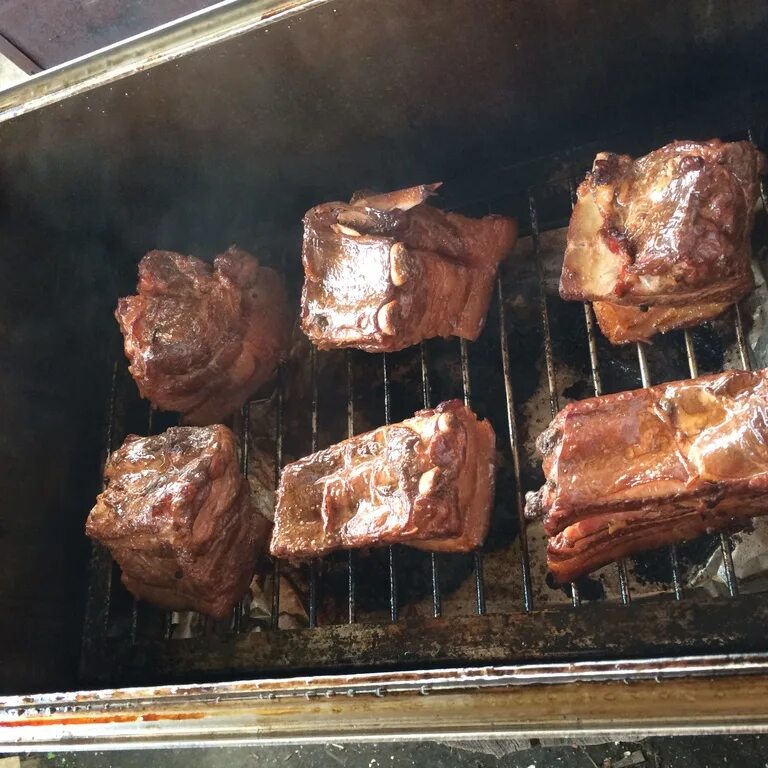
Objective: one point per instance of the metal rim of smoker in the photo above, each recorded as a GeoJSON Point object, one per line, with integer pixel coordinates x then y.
{"type": "Point", "coordinates": [699, 694]}
{"type": "Point", "coordinates": [194, 32]}
{"type": "Point", "coordinates": [603, 698]}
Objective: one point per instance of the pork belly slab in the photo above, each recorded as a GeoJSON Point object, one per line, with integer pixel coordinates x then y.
{"type": "Point", "coordinates": [176, 516]}
{"type": "Point", "coordinates": [639, 469]}
{"type": "Point", "coordinates": [427, 482]}
{"type": "Point", "coordinates": [668, 230]}
{"type": "Point", "coordinates": [386, 271]}
{"type": "Point", "coordinates": [202, 339]}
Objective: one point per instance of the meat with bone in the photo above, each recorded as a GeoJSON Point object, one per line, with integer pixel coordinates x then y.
{"type": "Point", "coordinates": [202, 339]}
{"type": "Point", "coordinates": [387, 271]}
{"type": "Point", "coordinates": [176, 516]}
{"type": "Point", "coordinates": [669, 231]}
{"type": "Point", "coordinates": [635, 470]}
{"type": "Point", "coordinates": [427, 482]}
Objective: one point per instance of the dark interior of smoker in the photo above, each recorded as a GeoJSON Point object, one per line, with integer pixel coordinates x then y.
{"type": "Point", "coordinates": [507, 104]}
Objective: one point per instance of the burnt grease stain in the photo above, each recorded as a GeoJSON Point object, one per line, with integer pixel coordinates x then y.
{"type": "Point", "coordinates": [74, 720]}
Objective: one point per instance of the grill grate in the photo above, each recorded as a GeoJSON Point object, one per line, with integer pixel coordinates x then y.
{"type": "Point", "coordinates": [393, 609]}
{"type": "Point", "coordinates": [442, 369]}
{"type": "Point", "coordinates": [437, 607]}
{"type": "Point", "coordinates": [594, 362]}
{"type": "Point", "coordinates": [725, 543]}
{"type": "Point", "coordinates": [478, 554]}
{"type": "Point", "coordinates": [525, 561]}
{"type": "Point", "coordinates": [351, 565]}
{"type": "Point", "coordinates": [645, 378]}
{"type": "Point", "coordinates": [313, 566]}
{"type": "Point", "coordinates": [554, 400]}
{"type": "Point", "coordinates": [279, 417]}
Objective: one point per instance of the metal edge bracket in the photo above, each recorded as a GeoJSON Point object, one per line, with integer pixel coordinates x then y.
{"type": "Point", "coordinates": [602, 698]}
{"type": "Point", "coordinates": [167, 42]}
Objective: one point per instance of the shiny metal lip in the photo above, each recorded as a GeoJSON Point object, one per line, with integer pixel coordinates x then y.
{"type": "Point", "coordinates": [220, 22]}
{"type": "Point", "coordinates": [601, 697]}
{"type": "Point", "coordinates": [378, 684]}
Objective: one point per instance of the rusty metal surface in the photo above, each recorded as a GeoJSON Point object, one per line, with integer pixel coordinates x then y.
{"type": "Point", "coordinates": [717, 694]}
{"type": "Point", "coordinates": [422, 681]}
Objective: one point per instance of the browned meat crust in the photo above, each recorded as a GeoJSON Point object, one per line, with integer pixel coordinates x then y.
{"type": "Point", "coordinates": [622, 325]}
{"type": "Point", "coordinates": [426, 482]}
{"type": "Point", "coordinates": [177, 518]}
{"type": "Point", "coordinates": [202, 339]}
{"type": "Point", "coordinates": [386, 271]}
{"type": "Point", "coordinates": [638, 469]}
{"type": "Point", "coordinates": [671, 229]}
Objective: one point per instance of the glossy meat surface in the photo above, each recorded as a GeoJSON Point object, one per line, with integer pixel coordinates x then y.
{"type": "Point", "coordinates": [387, 271]}
{"type": "Point", "coordinates": [427, 482]}
{"type": "Point", "coordinates": [176, 516]}
{"type": "Point", "coordinates": [622, 324]}
{"type": "Point", "coordinates": [669, 229]}
{"type": "Point", "coordinates": [200, 339]}
{"type": "Point", "coordinates": [638, 469]}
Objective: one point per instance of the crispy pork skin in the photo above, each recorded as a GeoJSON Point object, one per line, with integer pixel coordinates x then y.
{"type": "Point", "coordinates": [201, 339]}
{"type": "Point", "coordinates": [386, 271]}
{"type": "Point", "coordinates": [671, 229]}
{"type": "Point", "coordinates": [638, 469]}
{"type": "Point", "coordinates": [176, 516]}
{"type": "Point", "coordinates": [427, 482]}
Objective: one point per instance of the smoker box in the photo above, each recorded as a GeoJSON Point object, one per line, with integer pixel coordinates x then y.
{"type": "Point", "coordinates": [226, 127]}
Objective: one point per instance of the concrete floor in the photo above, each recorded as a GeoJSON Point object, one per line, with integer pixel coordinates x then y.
{"type": "Point", "coordinates": [670, 752]}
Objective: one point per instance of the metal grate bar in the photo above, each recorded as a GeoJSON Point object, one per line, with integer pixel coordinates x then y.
{"type": "Point", "coordinates": [725, 542]}
{"type": "Point", "coordinates": [554, 400]}
{"type": "Point", "coordinates": [621, 566]}
{"type": "Point", "coordinates": [763, 193]}
{"type": "Point", "coordinates": [313, 565]}
{"type": "Point", "coordinates": [437, 606]}
{"type": "Point", "coordinates": [478, 554]}
{"type": "Point", "coordinates": [100, 579]}
{"type": "Point", "coordinates": [466, 383]}
{"type": "Point", "coordinates": [134, 600]}
{"type": "Point", "coordinates": [594, 362]}
{"type": "Point", "coordinates": [279, 425]}
{"type": "Point", "coordinates": [525, 562]}
{"type": "Point", "coordinates": [690, 352]}
{"type": "Point", "coordinates": [351, 612]}
{"type": "Point", "coordinates": [674, 559]}
{"type": "Point", "coordinates": [746, 363]}
{"type": "Point", "coordinates": [350, 432]}
{"type": "Point", "coordinates": [548, 354]}
{"type": "Point", "coordinates": [313, 570]}
{"type": "Point", "coordinates": [245, 449]}
{"type": "Point", "coordinates": [392, 558]}
{"type": "Point", "coordinates": [741, 340]}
